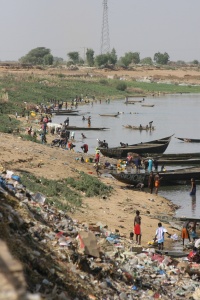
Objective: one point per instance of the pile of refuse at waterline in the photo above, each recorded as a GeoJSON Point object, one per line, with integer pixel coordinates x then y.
{"type": "Point", "coordinates": [65, 259]}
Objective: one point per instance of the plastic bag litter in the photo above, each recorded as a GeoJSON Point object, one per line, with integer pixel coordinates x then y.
{"type": "Point", "coordinates": [39, 198]}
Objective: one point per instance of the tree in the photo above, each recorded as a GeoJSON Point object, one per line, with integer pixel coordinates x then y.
{"type": "Point", "coordinates": [146, 61]}
{"type": "Point", "coordinates": [90, 57]}
{"type": "Point", "coordinates": [113, 57]}
{"type": "Point", "coordinates": [101, 59]}
{"type": "Point", "coordinates": [129, 58]}
{"type": "Point", "coordinates": [195, 62]}
{"type": "Point", "coordinates": [38, 56]}
{"type": "Point", "coordinates": [74, 56]}
{"type": "Point", "coordinates": [161, 58]}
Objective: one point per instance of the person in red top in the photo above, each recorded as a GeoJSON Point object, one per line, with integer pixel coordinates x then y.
{"type": "Point", "coordinates": [97, 157]}
{"type": "Point", "coordinates": [137, 228]}
{"type": "Point", "coordinates": [85, 148]}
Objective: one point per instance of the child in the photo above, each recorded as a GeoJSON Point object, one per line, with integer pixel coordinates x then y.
{"type": "Point", "coordinates": [160, 232]}
{"type": "Point", "coordinates": [185, 232]}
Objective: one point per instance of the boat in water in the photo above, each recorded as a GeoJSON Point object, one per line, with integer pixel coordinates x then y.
{"type": "Point", "coordinates": [187, 140]}
{"type": "Point", "coordinates": [157, 146]}
{"type": "Point", "coordinates": [147, 127]}
{"type": "Point", "coordinates": [109, 115]}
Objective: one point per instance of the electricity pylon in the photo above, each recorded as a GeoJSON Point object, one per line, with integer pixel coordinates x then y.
{"type": "Point", "coordinates": [105, 40]}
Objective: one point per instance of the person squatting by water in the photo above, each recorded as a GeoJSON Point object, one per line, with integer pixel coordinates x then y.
{"type": "Point", "coordinates": [137, 227]}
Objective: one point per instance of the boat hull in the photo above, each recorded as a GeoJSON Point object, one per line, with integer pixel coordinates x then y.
{"type": "Point", "coordinates": [143, 149]}
{"type": "Point", "coordinates": [171, 177]}
{"type": "Point", "coordinates": [187, 140]}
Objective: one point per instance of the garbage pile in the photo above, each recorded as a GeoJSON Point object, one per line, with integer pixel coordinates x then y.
{"type": "Point", "coordinates": [65, 259]}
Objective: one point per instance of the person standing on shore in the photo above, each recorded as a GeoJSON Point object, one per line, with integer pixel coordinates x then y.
{"type": "Point", "coordinates": [193, 187]}
{"type": "Point", "coordinates": [157, 182]}
{"type": "Point", "coordinates": [185, 232]}
{"type": "Point", "coordinates": [151, 182]}
{"type": "Point", "coordinates": [137, 227]}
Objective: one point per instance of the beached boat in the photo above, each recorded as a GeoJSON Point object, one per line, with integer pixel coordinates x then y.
{"type": "Point", "coordinates": [170, 177]}
{"type": "Point", "coordinates": [187, 140]}
{"type": "Point", "coordinates": [109, 115]}
{"type": "Point", "coordinates": [142, 149]}
{"type": "Point", "coordinates": [139, 127]}
{"type": "Point", "coordinates": [147, 105]}
{"type": "Point", "coordinates": [178, 162]}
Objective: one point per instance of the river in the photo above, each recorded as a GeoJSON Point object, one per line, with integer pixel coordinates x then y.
{"type": "Point", "coordinates": [171, 114]}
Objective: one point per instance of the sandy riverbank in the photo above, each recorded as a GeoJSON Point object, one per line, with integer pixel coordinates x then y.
{"type": "Point", "coordinates": [117, 211]}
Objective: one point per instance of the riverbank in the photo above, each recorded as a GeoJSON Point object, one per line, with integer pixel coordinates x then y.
{"type": "Point", "coordinates": [116, 211]}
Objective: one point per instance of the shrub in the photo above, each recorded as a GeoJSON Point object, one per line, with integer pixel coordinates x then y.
{"type": "Point", "coordinates": [121, 86]}
{"type": "Point", "coordinates": [103, 81]}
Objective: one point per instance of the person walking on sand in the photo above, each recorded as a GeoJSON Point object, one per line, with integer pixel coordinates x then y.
{"type": "Point", "coordinates": [137, 227]}
{"type": "Point", "coordinates": [151, 182]}
{"type": "Point", "coordinates": [160, 233]}
{"type": "Point", "coordinates": [185, 232]}
{"type": "Point", "coordinates": [193, 187]}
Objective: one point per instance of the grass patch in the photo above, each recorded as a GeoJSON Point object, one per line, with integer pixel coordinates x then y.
{"type": "Point", "coordinates": [91, 186]}
{"type": "Point", "coordinates": [56, 191]}
{"type": "Point", "coordinates": [7, 124]}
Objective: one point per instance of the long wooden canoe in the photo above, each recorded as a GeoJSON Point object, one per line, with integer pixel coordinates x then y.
{"type": "Point", "coordinates": [109, 115]}
{"type": "Point", "coordinates": [188, 140]}
{"type": "Point", "coordinates": [147, 105]}
{"type": "Point", "coordinates": [85, 128]}
{"type": "Point", "coordinates": [142, 149]}
{"type": "Point", "coordinates": [139, 127]}
{"type": "Point", "coordinates": [171, 177]}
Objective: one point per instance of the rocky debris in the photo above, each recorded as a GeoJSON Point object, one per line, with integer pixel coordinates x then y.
{"type": "Point", "coordinates": [65, 259]}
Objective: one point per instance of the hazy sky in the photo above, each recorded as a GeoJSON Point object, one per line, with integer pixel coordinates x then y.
{"type": "Point", "coordinates": [144, 26]}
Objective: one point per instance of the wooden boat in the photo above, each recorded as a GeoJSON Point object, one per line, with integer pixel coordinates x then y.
{"type": "Point", "coordinates": [64, 110]}
{"type": "Point", "coordinates": [122, 151]}
{"type": "Point", "coordinates": [59, 113]}
{"type": "Point", "coordinates": [179, 156]}
{"type": "Point", "coordinates": [148, 105]}
{"type": "Point", "coordinates": [85, 128]}
{"type": "Point", "coordinates": [187, 140]}
{"type": "Point", "coordinates": [139, 127]}
{"type": "Point", "coordinates": [142, 149]}
{"type": "Point", "coordinates": [186, 161]}
{"type": "Point", "coordinates": [133, 101]}
{"type": "Point", "coordinates": [171, 177]}
{"type": "Point", "coordinates": [109, 115]}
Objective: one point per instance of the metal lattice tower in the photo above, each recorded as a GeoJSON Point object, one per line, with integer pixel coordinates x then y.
{"type": "Point", "coordinates": [105, 40]}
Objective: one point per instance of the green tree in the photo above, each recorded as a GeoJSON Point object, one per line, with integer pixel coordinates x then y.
{"type": "Point", "coordinates": [38, 56]}
{"type": "Point", "coordinates": [90, 57]}
{"type": "Point", "coordinates": [74, 56]}
{"type": "Point", "coordinates": [113, 57]}
{"type": "Point", "coordinates": [161, 58]}
{"type": "Point", "coordinates": [147, 61]}
{"type": "Point", "coordinates": [195, 62]}
{"type": "Point", "coordinates": [130, 58]}
{"type": "Point", "coordinates": [101, 60]}
{"type": "Point", "coordinates": [48, 59]}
